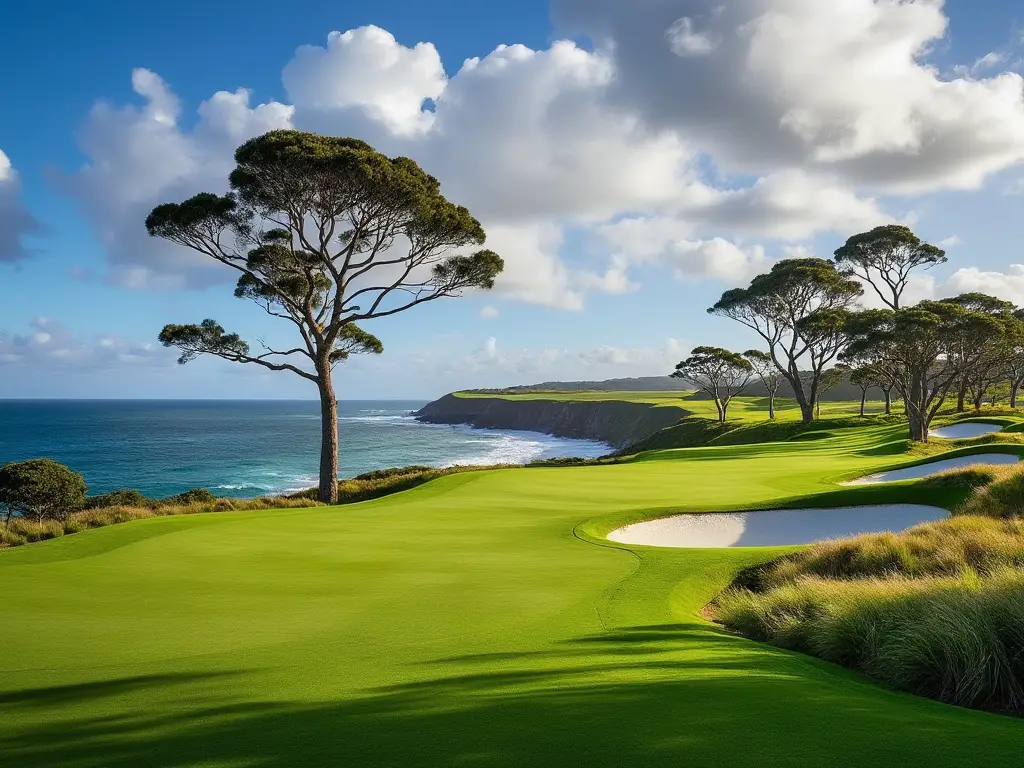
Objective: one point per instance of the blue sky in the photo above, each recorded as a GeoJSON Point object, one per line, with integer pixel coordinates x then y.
{"type": "Point", "coordinates": [628, 177]}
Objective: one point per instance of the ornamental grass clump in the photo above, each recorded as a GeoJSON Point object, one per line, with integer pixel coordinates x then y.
{"type": "Point", "coordinates": [937, 610]}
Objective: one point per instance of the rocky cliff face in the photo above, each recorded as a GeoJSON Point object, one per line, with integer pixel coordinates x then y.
{"type": "Point", "coordinates": [617, 423]}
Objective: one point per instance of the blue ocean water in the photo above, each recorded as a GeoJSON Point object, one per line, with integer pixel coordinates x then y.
{"type": "Point", "coordinates": [247, 448]}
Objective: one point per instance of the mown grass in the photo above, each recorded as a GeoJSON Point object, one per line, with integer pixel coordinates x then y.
{"type": "Point", "coordinates": [476, 619]}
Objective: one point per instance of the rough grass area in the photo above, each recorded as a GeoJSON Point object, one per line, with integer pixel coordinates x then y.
{"type": "Point", "coordinates": [1003, 496]}
{"type": "Point", "coordinates": [18, 531]}
{"type": "Point", "coordinates": [937, 610]}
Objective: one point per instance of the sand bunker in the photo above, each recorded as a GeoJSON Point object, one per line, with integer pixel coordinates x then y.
{"type": "Point", "coordinates": [935, 467]}
{"type": "Point", "coordinates": [964, 430]}
{"type": "Point", "coordinates": [773, 527]}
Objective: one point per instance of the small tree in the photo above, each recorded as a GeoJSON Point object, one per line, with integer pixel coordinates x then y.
{"type": "Point", "coordinates": [767, 373]}
{"type": "Point", "coordinates": [40, 489]}
{"type": "Point", "coordinates": [830, 379]}
{"type": "Point", "coordinates": [884, 259]}
{"type": "Point", "coordinates": [993, 352]}
{"type": "Point", "coordinates": [799, 309]}
{"type": "Point", "coordinates": [718, 372]}
{"type": "Point", "coordinates": [865, 378]}
{"type": "Point", "coordinates": [927, 348]}
{"type": "Point", "coordinates": [325, 233]}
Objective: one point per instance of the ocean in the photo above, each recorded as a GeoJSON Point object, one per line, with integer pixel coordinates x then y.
{"type": "Point", "coordinates": [248, 448]}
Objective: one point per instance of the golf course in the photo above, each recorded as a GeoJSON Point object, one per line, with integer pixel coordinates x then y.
{"type": "Point", "coordinates": [481, 619]}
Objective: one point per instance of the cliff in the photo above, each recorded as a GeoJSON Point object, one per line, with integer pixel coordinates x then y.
{"type": "Point", "coordinates": [611, 421]}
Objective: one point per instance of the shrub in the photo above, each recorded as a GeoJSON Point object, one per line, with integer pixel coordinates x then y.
{"type": "Point", "coordinates": [41, 489]}
{"type": "Point", "coordinates": [193, 496]}
{"type": "Point", "coordinates": [119, 498]}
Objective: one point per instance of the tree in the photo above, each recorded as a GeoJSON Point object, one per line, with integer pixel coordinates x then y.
{"type": "Point", "coordinates": [325, 233]}
{"type": "Point", "coordinates": [718, 372]}
{"type": "Point", "coordinates": [884, 259]}
{"type": "Point", "coordinates": [830, 379]}
{"type": "Point", "coordinates": [996, 351]}
{"type": "Point", "coordinates": [40, 489]}
{"type": "Point", "coordinates": [1015, 361]}
{"type": "Point", "coordinates": [865, 378]}
{"type": "Point", "coordinates": [800, 309]}
{"type": "Point", "coordinates": [926, 349]}
{"type": "Point", "coordinates": [768, 374]}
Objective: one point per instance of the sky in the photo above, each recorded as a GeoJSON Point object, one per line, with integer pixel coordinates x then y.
{"type": "Point", "coordinates": [629, 161]}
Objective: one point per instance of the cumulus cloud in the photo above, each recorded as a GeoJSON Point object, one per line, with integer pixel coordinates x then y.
{"type": "Point", "coordinates": [15, 221]}
{"type": "Point", "coordinates": [1008, 285]}
{"type": "Point", "coordinates": [817, 109]}
{"type": "Point", "coordinates": [843, 88]}
{"type": "Point", "coordinates": [50, 345]}
{"type": "Point", "coordinates": [140, 157]}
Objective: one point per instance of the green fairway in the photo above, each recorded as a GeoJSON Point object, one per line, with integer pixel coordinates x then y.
{"type": "Point", "coordinates": [478, 620]}
{"type": "Point", "coordinates": [741, 408]}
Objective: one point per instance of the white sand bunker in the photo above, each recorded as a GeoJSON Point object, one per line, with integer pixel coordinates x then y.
{"type": "Point", "coordinates": [964, 430]}
{"type": "Point", "coordinates": [935, 467]}
{"type": "Point", "coordinates": [773, 527]}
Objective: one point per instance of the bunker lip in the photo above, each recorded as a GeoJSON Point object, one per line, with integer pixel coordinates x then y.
{"type": "Point", "coordinates": [965, 430]}
{"type": "Point", "coordinates": [773, 527]}
{"type": "Point", "coordinates": [921, 471]}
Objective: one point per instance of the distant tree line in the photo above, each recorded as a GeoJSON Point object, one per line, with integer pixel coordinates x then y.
{"type": "Point", "coordinates": [815, 335]}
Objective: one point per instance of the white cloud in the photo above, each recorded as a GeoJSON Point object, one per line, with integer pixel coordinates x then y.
{"type": "Point", "coordinates": [366, 68]}
{"type": "Point", "coordinates": [1007, 285]}
{"type": "Point", "coordinates": [685, 41]}
{"type": "Point", "coordinates": [840, 88]}
{"type": "Point", "coordinates": [141, 157]}
{"type": "Point", "coordinates": [820, 108]}
{"type": "Point", "coordinates": [950, 242]}
{"type": "Point", "coordinates": [15, 221]}
{"type": "Point", "coordinates": [50, 345]}
{"type": "Point", "coordinates": [489, 313]}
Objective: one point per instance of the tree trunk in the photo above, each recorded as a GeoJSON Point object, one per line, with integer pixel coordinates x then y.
{"type": "Point", "coordinates": [721, 410]}
{"type": "Point", "coordinates": [328, 491]}
{"type": "Point", "coordinates": [978, 399]}
{"type": "Point", "coordinates": [915, 406]}
{"type": "Point", "coordinates": [863, 400]}
{"type": "Point", "coordinates": [961, 396]}
{"type": "Point", "coordinates": [771, 404]}
{"type": "Point", "coordinates": [888, 401]}
{"type": "Point", "coordinates": [1014, 386]}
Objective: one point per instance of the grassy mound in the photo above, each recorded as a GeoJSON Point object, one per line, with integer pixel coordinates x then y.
{"type": "Point", "coordinates": [937, 610]}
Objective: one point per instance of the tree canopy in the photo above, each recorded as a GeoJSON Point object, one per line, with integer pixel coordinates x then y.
{"type": "Point", "coordinates": [799, 308]}
{"type": "Point", "coordinates": [41, 489]}
{"type": "Point", "coordinates": [720, 373]}
{"type": "Point", "coordinates": [884, 259]}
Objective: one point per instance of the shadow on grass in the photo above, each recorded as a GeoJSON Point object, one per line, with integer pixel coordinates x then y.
{"type": "Point", "coordinates": [589, 706]}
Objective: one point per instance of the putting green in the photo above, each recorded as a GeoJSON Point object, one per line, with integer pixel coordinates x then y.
{"type": "Point", "coordinates": [479, 620]}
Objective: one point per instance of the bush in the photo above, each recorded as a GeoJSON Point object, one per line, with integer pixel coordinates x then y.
{"type": "Point", "coordinates": [41, 489]}
{"type": "Point", "coordinates": [120, 498]}
{"type": "Point", "coordinates": [194, 496]}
